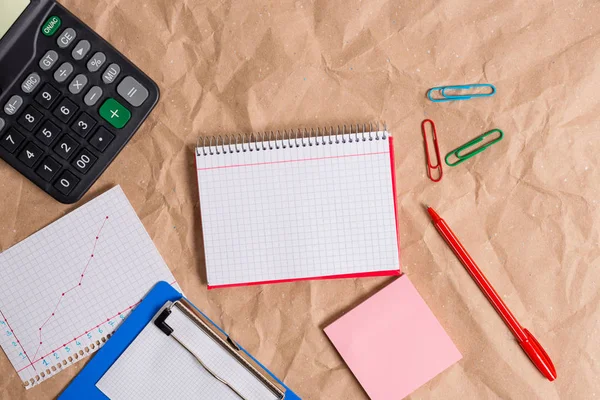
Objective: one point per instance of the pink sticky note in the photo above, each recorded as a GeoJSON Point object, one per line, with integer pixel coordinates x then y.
{"type": "Point", "coordinates": [392, 342]}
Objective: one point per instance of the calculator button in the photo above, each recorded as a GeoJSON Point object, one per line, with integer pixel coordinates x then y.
{"type": "Point", "coordinates": [48, 61]}
{"type": "Point", "coordinates": [132, 91]}
{"type": "Point", "coordinates": [66, 147]}
{"type": "Point", "coordinates": [92, 96]}
{"type": "Point", "coordinates": [48, 169]}
{"type": "Point", "coordinates": [78, 83]}
{"type": "Point", "coordinates": [65, 110]}
{"type": "Point", "coordinates": [84, 161]}
{"type": "Point", "coordinates": [30, 118]}
{"type": "Point", "coordinates": [29, 84]}
{"type": "Point", "coordinates": [65, 38]}
{"type": "Point", "coordinates": [96, 62]}
{"type": "Point", "coordinates": [111, 73]}
{"type": "Point", "coordinates": [12, 140]}
{"type": "Point", "coordinates": [47, 96]}
{"type": "Point", "coordinates": [83, 125]}
{"type": "Point", "coordinates": [51, 26]}
{"type": "Point", "coordinates": [81, 49]}
{"type": "Point", "coordinates": [101, 139]}
{"type": "Point", "coordinates": [30, 154]}
{"type": "Point", "coordinates": [48, 133]}
{"type": "Point", "coordinates": [115, 113]}
{"type": "Point", "coordinates": [66, 182]}
{"type": "Point", "coordinates": [63, 72]}
{"type": "Point", "coordinates": [13, 104]}
{"type": "Point", "coordinates": [2, 124]}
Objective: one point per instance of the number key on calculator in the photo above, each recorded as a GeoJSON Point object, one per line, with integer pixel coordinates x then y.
{"type": "Point", "coordinates": [69, 102]}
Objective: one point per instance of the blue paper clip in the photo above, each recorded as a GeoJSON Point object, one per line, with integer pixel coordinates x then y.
{"type": "Point", "coordinates": [466, 96]}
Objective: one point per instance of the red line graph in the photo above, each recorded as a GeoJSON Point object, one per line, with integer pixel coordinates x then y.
{"type": "Point", "coordinates": [77, 337]}
{"type": "Point", "coordinates": [69, 290]}
{"type": "Point", "coordinates": [291, 161]}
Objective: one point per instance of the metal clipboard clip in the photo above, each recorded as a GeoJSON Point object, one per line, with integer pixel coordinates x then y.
{"type": "Point", "coordinates": [221, 339]}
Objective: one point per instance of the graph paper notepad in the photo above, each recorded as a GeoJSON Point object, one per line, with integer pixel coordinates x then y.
{"type": "Point", "coordinates": [156, 366]}
{"type": "Point", "coordinates": [66, 288]}
{"type": "Point", "coordinates": [307, 207]}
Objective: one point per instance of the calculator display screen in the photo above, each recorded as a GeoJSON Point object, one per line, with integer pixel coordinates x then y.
{"type": "Point", "coordinates": [9, 12]}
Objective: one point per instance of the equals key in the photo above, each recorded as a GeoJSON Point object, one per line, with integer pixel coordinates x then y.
{"type": "Point", "coordinates": [132, 91]}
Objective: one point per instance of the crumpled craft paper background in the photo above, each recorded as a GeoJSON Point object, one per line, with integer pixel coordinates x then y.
{"type": "Point", "coordinates": [527, 208]}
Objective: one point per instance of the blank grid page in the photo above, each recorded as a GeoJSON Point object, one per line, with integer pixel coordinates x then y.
{"type": "Point", "coordinates": [297, 212]}
{"type": "Point", "coordinates": [155, 366]}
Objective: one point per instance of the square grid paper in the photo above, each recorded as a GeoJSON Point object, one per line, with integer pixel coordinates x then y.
{"type": "Point", "coordinates": [271, 213]}
{"type": "Point", "coordinates": [155, 366]}
{"type": "Point", "coordinates": [66, 288]}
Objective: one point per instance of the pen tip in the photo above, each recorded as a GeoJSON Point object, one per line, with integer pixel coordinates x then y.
{"type": "Point", "coordinates": [434, 216]}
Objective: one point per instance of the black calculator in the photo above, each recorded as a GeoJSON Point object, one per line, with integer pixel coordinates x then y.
{"type": "Point", "coordinates": [69, 101]}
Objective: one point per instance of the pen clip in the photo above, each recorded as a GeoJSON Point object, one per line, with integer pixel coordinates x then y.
{"type": "Point", "coordinates": [538, 355]}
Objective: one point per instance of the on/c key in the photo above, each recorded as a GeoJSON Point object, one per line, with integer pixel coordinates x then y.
{"type": "Point", "coordinates": [115, 113]}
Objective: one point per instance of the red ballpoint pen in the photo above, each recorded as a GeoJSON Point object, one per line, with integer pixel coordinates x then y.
{"type": "Point", "coordinates": [528, 343]}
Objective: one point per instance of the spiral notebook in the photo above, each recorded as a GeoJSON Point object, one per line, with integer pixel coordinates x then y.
{"type": "Point", "coordinates": [296, 206]}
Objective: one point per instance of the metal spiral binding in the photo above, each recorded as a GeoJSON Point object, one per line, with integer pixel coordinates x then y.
{"type": "Point", "coordinates": [71, 359]}
{"type": "Point", "coordinates": [286, 139]}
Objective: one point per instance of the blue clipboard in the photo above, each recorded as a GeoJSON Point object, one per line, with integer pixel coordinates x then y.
{"type": "Point", "coordinates": [84, 384]}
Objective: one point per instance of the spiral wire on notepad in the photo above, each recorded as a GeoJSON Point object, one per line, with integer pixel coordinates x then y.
{"type": "Point", "coordinates": [286, 139]}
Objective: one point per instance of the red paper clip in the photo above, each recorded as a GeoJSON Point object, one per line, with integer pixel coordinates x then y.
{"type": "Point", "coordinates": [431, 167]}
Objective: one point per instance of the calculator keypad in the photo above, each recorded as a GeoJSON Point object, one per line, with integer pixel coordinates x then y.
{"type": "Point", "coordinates": [72, 109]}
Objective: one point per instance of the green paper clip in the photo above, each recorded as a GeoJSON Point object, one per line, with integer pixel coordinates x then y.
{"type": "Point", "coordinates": [466, 95]}
{"type": "Point", "coordinates": [464, 157]}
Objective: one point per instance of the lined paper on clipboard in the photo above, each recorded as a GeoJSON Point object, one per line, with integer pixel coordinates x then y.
{"type": "Point", "coordinates": [157, 366]}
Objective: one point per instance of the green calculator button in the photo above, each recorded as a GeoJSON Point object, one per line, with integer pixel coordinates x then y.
{"type": "Point", "coordinates": [51, 26]}
{"type": "Point", "coordinates": [115, 113]}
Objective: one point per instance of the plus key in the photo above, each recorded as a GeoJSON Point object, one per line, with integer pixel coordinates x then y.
{"type": "Point", "coordinates": [115, 113]}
